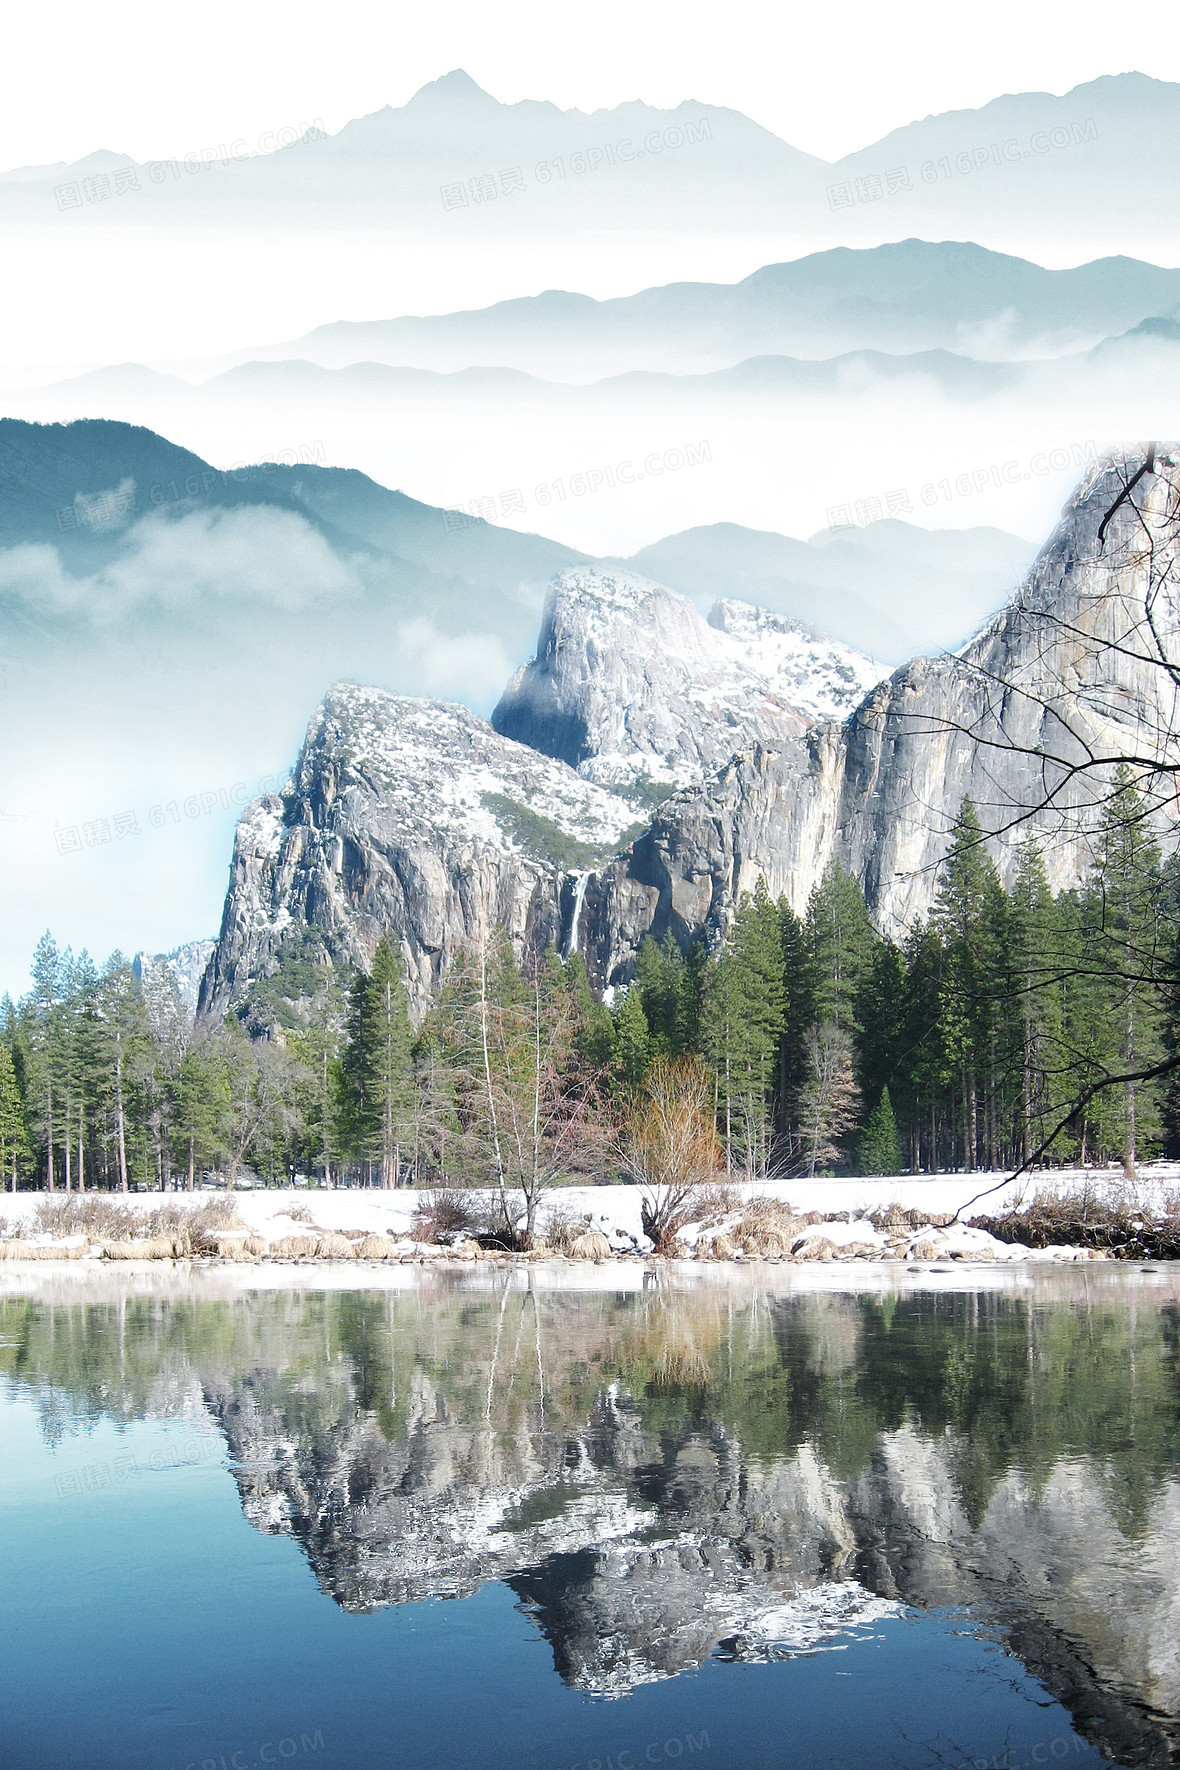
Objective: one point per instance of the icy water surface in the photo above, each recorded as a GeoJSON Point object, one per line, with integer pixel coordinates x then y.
{"type": "Point", "coordinates": [490, 1519]}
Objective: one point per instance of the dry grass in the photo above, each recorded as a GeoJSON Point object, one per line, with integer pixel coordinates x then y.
{"type": "Point", "coordinates": [294, 1247]}
{"type": "Point", "coordinates": [767, 1229]}
{"type": "Point", "coordinates": [335, 1247]}
{"type": "Point", "coordinates": [186, 1230]}
{"type": "Point", "coordinates": [592, 1245]}
{"type": "Point", "coordinates": [1118, 1226]}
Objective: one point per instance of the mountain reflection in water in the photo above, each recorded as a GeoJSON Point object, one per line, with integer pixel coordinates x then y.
{"type": "Point", "coordinates": [714, 1467]}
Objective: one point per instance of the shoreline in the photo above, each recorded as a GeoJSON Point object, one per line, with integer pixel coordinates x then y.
{"type": "Point", "coordinates": [822, 1221]}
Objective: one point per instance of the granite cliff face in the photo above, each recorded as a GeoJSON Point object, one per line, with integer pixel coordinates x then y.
{"type": "Point", "coordinates": [1028, 720]}
{"type": "Point", "coordinates": [409, 818]}
{"type": "Point", "coordinates": [417, 819]}
{"type": "Point", "coordinates": [630, 685]}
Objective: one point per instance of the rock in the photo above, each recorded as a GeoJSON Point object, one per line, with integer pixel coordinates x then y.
{"type": "Point", "coordinates": [630, 685]}
{"type": "Point", "coordinates": [413, 819]}
{"type": "Point", "coordinates": [816, 1247]}
{"type": "Point", "coordinates": [1059, 670]}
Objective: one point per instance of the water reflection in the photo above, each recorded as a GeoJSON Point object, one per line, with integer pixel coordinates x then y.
{"type": "Point", "coordinates": [669, 1473]}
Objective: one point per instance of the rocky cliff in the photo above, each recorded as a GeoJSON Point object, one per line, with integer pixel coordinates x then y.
{"type": "Point", "coordinates": [630, 685]}
{"type": "Point", "coordinates": [417, 819]}
{"type": "Point", "coordinates": [409, 818]}
{"type": "Point", "coordinates": [1028, 720]}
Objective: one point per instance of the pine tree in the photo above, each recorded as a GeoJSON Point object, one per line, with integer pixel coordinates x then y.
{"type": "Point", "coordinates": [377, 1065]}
{"type": "Point", "coordinates": [1033, 955]}
{"type": "Point", "coordinates": [1127, 900]}
{"type": "Point", "coordinates": [743, 1025]}
{"type": "Point", "coordinates": [659, 978]}
{"type": "Point", "coordinates": [632, 1040]}
{"type": "Point", "coordinates": [879, 1151]}
{"type": "Point", "coordinates": [840, 939]}
{"type": "Point", "coordinates": [14, 1146]}
{"type": "Point", "coordinates": [965, 914]}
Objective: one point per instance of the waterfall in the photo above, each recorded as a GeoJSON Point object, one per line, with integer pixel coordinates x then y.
{"type": "Point", "coordinates": [580, 881]}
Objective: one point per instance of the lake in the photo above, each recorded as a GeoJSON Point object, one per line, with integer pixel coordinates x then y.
{"type": "Point", "coordinates": [536, 1519]}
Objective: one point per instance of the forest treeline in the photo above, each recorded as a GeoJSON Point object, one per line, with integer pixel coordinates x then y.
{"type": "Point", "coordinates": [986, 1039]}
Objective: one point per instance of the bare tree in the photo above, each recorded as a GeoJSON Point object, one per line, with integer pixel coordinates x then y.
{"type": "Point", "coordinates": [829, 1098]}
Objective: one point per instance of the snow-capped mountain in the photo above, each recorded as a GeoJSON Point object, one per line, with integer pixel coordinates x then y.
{"type": "Point", "coordinates": [411, 818]}
{"type": "Point", "coordinates": [633, 688]}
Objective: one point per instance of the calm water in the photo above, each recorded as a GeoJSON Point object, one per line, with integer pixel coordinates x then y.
{"type": "Point", "coordinates": [489, 1521]}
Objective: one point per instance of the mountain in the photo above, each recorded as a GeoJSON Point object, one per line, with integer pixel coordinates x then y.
{"type": "Point", "coordinates": [452, 158]}
{"type": "Point", "coordinates": [81, 486]}
{"type": "Point", "coordinates": [633, 689]}
{"type": "Point", "coordinates": [912, 295]}
{"type": "Point", "coordinates": [1090, 164]}
{"type": "Point", "coordinates": [888, 587]}
{"type": "Point", "coordinates": [182, 970]}
{"type": "Point", "coordinates": [630, 688]}
{"type": "Point", "coordinates": [1020, 720]}
{"type": "Point", "coordinates": [412, 818]}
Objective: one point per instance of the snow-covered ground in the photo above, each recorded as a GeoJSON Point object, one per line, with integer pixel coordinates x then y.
{"type": "Point", "coordinates": [615, 1210]}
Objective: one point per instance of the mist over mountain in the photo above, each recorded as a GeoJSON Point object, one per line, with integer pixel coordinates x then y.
{"type": "Point", "coordinates": [167, 624]}
{"type": "Point", "coordinates": [772, 442]}
{"type": "Point", "coordinates": [1091, 164]}
{"type": "Point", "coordinates": [911, 295]}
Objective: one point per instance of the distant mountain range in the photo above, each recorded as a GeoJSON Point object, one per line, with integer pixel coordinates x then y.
{"type": "Point", "coordinates": [1095, 162]}
{"type": "Point", "coordinates": [112, 498]}
{"type": "Point", "coordinates": [915, 295]}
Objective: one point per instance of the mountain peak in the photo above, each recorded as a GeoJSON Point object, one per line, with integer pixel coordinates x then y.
{"type": "Point", "coordinates": [455, 88]}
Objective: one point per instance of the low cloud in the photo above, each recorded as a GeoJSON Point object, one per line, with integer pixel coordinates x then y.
{"type": "Point", "coordinates": [472, 667]}
{"type": "Point", "coordinates": [255, 554]}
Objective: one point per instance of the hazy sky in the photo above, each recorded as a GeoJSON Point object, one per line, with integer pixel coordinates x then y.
{"type": "Point", "coordinates": [149, 80]}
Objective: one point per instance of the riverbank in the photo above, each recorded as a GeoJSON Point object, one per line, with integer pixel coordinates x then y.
{"type": "Point", "coordinates": [961, 1217]}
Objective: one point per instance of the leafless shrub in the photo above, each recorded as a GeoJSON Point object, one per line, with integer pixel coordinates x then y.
{"type": "Point", "coordinates": [671, 1147]}
{"type": "Point", "coordinates": [1085, 1219]}
{"type": "Point", "coordinates": [716, 1202]}
{"type": "Point", "coordinates": [443, 1214]}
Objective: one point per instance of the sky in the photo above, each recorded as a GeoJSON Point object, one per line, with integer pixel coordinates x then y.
{"type": "Point", "coordinates": [150, 80]}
